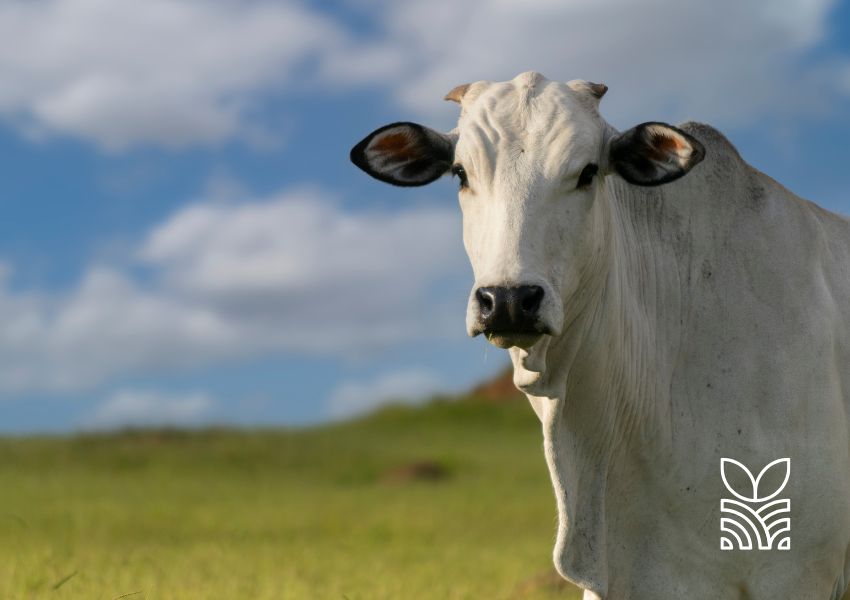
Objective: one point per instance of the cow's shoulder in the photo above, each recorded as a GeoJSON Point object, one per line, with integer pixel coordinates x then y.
{"type": "Point", "coordinates": [720, 154]}
{"type": "Point", "coordinates": [728, 183]}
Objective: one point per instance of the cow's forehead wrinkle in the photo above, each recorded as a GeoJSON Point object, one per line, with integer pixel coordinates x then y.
{"type": "Point", "coordinates": [520, 105]}
{"type": "Point", "coordinates": [564, 147]}
{"type": "Point", "coordinates": [545, 127]}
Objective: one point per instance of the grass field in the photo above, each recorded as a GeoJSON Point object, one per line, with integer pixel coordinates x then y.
{"type": "Point", "coordinates": [335, 512]}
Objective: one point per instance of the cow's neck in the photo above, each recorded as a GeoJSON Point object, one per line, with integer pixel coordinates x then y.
{"type": "Point", "coordinates": [598, 386]}
{"type": "Point", "coordinates": [607, 363]}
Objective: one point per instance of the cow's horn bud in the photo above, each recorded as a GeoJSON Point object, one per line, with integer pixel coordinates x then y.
{"type": "Point", "coordinates": [597, 89]}
{"type": "Point", "coordinates": [456, 95]}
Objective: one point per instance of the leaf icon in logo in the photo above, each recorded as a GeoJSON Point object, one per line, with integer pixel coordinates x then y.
{"type": "Point", "coordinates": [784, 467]}
{"type": "Point", "coordinates": [729, 465]}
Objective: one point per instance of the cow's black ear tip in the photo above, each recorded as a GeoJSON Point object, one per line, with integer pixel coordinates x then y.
{"type": "Point", "coordinates": [358, 154]}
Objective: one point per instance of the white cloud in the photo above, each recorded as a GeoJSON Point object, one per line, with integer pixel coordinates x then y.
{"type": "Point", "coordinates": [170, 72]}
{"type": "Point", "coordinates": [150, 408]}
{"type": "Point", "coordinates": [301, 244]}
{"type": "Point", "coordinates": [411, 386]}
{"type": "Point", "coordinates": [227, 280]}
{"type": "Point", "coordinates": [726, 61]}
{"type": "Point", "coordinates": [121, 72]}
{"type": "Point", "coordinates": [303, 274]}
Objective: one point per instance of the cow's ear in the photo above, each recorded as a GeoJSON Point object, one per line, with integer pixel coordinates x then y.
{"type": "Point", "coordinates": [654, 153]}
{"type": "Point", "coordinates": [404, 154]}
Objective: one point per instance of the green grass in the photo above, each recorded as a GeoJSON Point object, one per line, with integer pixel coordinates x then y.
{"type": "Point", "coordinates": [285, 514]}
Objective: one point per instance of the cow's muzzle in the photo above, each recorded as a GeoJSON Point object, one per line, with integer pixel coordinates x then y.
{"type": "Point", "coordinates": [509, 316]}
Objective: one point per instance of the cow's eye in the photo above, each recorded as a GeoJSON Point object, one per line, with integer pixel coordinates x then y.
{"type": "Point", "coordinates": [587, 175]}
{"type": "Point", "coordinates": [460, 172]}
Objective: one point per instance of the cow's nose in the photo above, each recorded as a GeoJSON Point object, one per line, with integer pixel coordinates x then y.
{"type": "Point", "coordinates": [509, 309]}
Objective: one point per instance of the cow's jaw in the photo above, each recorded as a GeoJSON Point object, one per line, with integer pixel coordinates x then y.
{"type": "Point", "coordinates": [520, 340]}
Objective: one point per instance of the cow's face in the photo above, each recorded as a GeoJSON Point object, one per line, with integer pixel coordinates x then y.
{"type": "Point", "coordinates": [529, 156]}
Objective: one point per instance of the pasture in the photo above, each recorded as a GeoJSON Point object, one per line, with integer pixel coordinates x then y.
{"type": "Point", "coordinates": [450, 500]}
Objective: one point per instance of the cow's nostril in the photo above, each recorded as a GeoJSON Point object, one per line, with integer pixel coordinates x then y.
{"type": "Point", "coordinates": [530, 297]}
{"type": "Point", "coordinates": [509, 310]}
{"type": "Point", "coordinates": [485, 300]}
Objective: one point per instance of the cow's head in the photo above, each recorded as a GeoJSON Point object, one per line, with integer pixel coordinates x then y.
{"type": "Point", "coordinates": [529, 155]}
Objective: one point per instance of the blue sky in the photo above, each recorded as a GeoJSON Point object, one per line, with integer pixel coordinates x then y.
{"type": "Point", "coordinates": [184, 241]}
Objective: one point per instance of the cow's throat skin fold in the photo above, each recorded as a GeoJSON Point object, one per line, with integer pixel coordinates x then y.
{"type": "Point", "coordinates": [656, 376]}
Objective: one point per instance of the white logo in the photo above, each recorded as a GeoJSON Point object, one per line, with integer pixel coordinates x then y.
{"type": "Point", "coordinates": [754, 517]}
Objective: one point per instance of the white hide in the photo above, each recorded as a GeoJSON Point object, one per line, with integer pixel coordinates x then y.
{"type": "Point", "coordinates": [704, 318]}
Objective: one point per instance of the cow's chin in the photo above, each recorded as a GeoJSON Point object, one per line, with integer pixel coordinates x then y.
{"type": "Point", "coordinates": [509, 340]}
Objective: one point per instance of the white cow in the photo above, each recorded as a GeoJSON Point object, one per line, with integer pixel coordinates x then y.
{"type": "Point", "coordinates": [655, 330]}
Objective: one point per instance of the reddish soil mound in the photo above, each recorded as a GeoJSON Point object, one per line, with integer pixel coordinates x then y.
{"type": "Point", "coordinates": [499, 389]}
{"type": "Point", "coordinates": [425, 470]}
